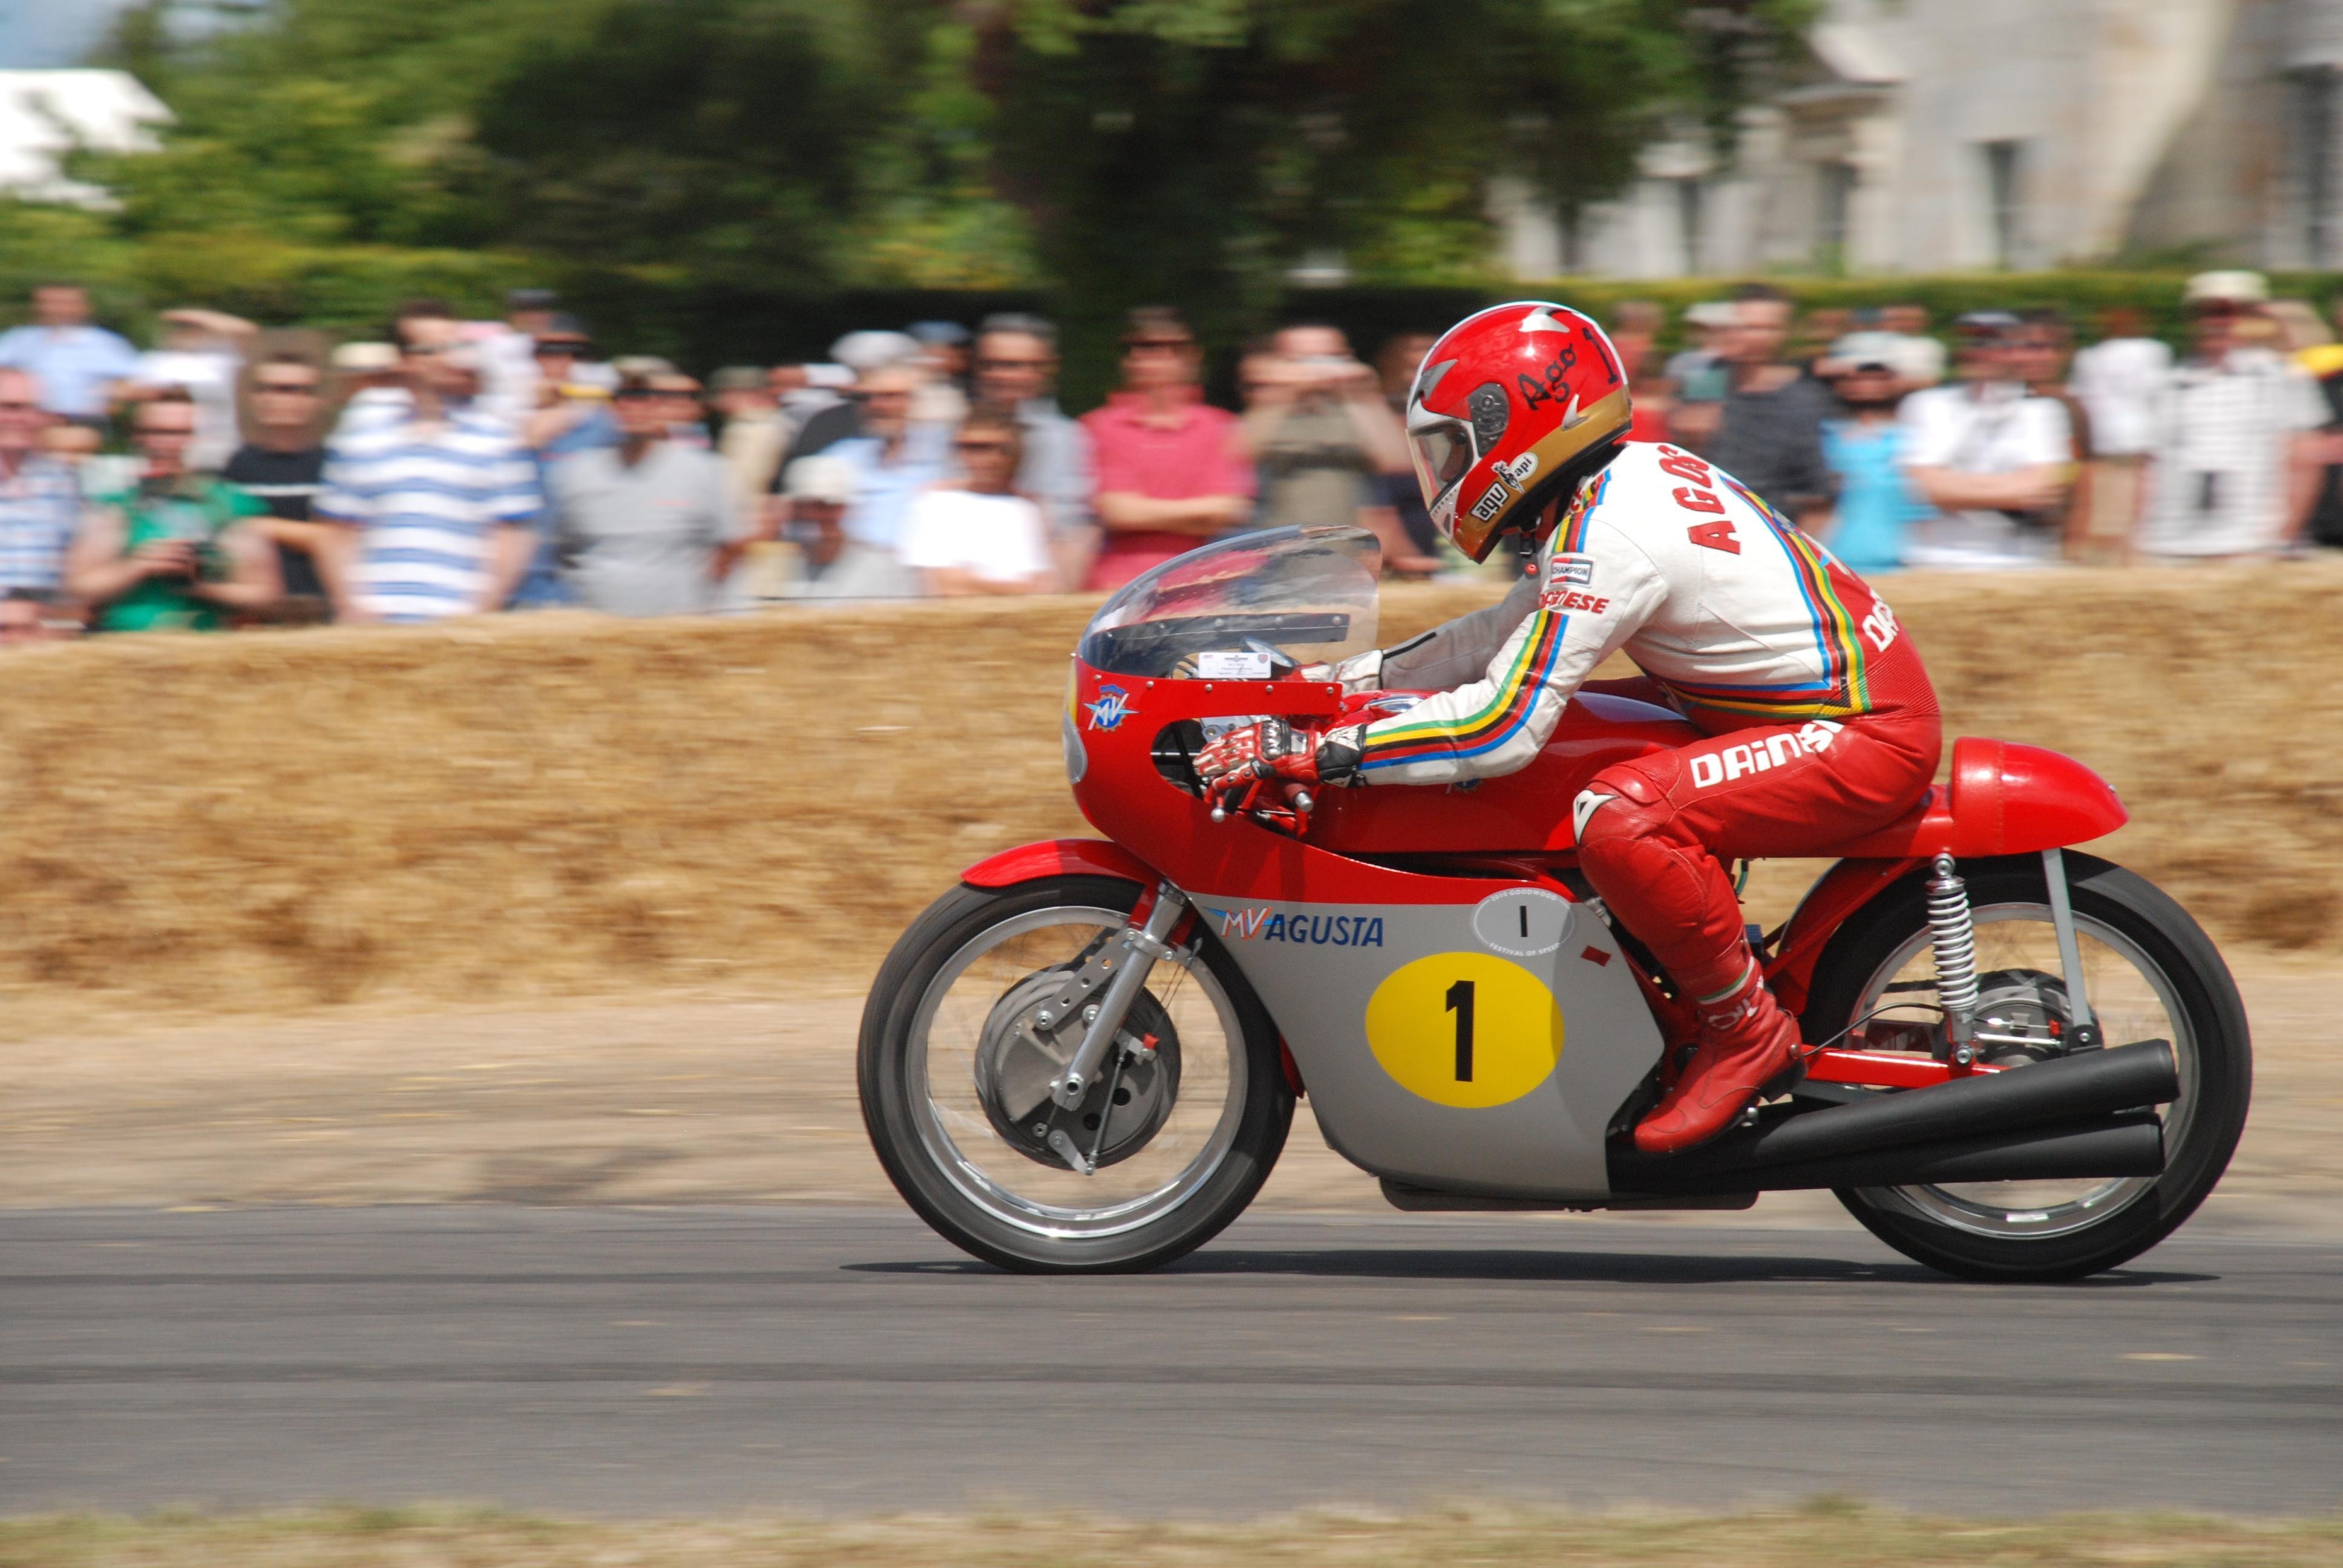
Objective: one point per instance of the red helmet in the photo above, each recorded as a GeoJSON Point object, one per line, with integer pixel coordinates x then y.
{"type": "Point", "coordinates": [1505, 406]}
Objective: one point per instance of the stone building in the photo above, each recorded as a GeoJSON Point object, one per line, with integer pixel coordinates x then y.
{"type": "Point", "coordinates": [1915, 136]}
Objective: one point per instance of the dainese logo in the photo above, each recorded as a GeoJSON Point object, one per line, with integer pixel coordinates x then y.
{"type": "Point", "coordinates": [1113, 707]}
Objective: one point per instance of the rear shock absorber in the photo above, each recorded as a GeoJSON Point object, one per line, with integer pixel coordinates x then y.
{"type": "Point", "coordinates": [1952, 936]}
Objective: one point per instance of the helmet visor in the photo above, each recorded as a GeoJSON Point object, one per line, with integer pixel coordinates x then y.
{"type": "Point", "coordinates": [1443, 452]}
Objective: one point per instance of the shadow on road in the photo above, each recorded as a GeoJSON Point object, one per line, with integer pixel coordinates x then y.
{"type": "Point", "coordinates": [1502, 1264]}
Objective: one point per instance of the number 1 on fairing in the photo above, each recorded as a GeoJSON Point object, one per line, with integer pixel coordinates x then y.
{"type": "Point", "coordinates": [1459, 1002]}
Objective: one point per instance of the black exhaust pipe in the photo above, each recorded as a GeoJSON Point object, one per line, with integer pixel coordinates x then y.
{"type": "Point", "coordinates": [2109, 1147]}
{"type": "Point", "coordinates": [1969, 1124]}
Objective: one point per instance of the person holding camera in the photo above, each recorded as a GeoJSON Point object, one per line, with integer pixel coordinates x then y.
{"type": "Point", "coordinates": [176, 551]}
{"type": "Point", "coordinates": [1323, 439]}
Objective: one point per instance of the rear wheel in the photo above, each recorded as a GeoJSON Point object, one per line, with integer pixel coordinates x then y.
{"type": "Point", "coordinates": [2150, 973]}
{"type": "Point", "coordinates": [1182, 1128]}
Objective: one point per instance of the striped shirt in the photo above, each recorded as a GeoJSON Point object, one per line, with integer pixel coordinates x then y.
{"type": "Point", "coordinates": [40, 504]}
{"type": "Point", "coordinates": [430, 501]}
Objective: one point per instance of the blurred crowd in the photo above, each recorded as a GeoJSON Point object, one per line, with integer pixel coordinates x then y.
{"type": "Point", "coordinates": [458, 466]}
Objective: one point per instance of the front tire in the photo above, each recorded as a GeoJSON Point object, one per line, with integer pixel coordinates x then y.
{"type": "Point", "coordinates": [2152, 972]}
{"type": "Point", "coordinates": [1194, 1171]}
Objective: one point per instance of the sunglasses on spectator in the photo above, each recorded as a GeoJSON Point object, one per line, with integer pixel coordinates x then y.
{"type": "Point", "coordinates": [286, 388]}
{"type": "Point", "coordinates": [19, 407]}
{"type": "Point", "coordinates": [641, 394]}
{"type": "Point", "coordinates": [982, 446]}
{"type": "Point", "coordinates": [166, 432]}
{"type": "Point", "coordinates": [993, 362]}
{"type": "Point", "coordinates": [1158, 344]}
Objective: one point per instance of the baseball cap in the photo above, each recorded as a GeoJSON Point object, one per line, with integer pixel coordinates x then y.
{"type": "Point", "coordinates": [738, 378]}
{"type": "Point", "coordinates": [530, 299]}
{"type": "Point", "coordinates": [937, 334]}
{"type": "Point", "coordinates": [820, 478]}
{"type": "Point", "coordinates": [365, 359]}
{"type": "Point", "coordinates": [1886, 350]}
{"type": "Point", "coordinates": [2227, 288]}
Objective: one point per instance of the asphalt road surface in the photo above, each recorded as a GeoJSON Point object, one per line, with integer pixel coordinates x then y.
{"type": "Point", "coordinates": [845, 1362]}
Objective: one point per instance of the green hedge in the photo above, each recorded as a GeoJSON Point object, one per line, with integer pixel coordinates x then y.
{"type": "Point", "coordinates": [349, 290]}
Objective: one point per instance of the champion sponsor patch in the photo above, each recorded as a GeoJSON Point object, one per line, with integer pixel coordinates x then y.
{"type": "Point", "coordinates": [1575, 569]}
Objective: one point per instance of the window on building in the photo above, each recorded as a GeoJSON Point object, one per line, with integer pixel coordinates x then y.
{"type": "Point", "coordinates": [1689, 198]}
{"type": "Point", "coordinates": [2003, 168]}
{"type": "Point", "coordinates": [1834, 195]}
{"type": "Point", "coordinates": [2312, 135]}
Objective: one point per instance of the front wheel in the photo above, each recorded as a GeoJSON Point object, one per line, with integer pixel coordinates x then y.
{"type": "Point", "coordinates": [954, 1079]}
{"type": "Point", "coordinates": [2150, 973]}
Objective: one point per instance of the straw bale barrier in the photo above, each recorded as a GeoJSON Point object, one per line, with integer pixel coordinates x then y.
{"type": "Point", "coordinates": [561, 804]}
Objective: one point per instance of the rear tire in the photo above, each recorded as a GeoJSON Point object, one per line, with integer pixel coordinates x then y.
{"type": "Point", "coordinates": [1934, 1226]}
{"type": "Point", "coordinates": [985, 1220]}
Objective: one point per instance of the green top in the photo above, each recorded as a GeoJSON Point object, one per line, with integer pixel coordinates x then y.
{"type": "Point", "coordinates": [190, 506]}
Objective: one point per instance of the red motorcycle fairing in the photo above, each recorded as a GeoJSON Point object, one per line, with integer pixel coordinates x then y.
{"type": "Point", "coordinates": [2003, 798]}
{"type": "Point", "coordinates": [1057, 858]}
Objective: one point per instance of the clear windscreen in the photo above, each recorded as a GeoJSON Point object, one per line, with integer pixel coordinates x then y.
{"type": "Point", "coordinates": [1253, 606]}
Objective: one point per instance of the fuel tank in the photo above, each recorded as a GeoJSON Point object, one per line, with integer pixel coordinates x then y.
{"type": "Point", "coordinates": [1525, 812]}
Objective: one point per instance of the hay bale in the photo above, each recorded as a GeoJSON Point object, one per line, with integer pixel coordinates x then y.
{"type": "Point", "coordinates": [564, 804]}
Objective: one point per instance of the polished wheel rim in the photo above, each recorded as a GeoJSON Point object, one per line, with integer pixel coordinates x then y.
{"type": "Point", "coordinates": [2133, 999]}
{"type": "Point", "coordinates": [961, 1141]}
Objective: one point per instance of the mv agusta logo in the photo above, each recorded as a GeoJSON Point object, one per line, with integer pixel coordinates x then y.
{"type": "Point", "coordinates": [1113, 707]}
{"type": "Point", "coordinates": [1315, 930]}
{"type": "Point", "coordinates": [1759, 756]}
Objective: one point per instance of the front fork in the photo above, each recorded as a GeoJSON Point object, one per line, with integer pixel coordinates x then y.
{"type": "Point", "coordinates": [1952, 935]}
{"type": "Point", "coordinates": [1124, 965]}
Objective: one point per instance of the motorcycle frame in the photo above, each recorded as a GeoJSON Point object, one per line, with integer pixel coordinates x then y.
{"type": "Point", "coordinates": [1548, 1143]}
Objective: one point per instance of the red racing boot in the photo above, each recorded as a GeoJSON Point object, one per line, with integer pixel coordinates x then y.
{"type": "Point", "coordinates": [1745, 1041]}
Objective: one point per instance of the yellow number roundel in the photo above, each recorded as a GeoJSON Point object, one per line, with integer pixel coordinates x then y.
{"type": "Point", "coordinates": [1467, 1029]}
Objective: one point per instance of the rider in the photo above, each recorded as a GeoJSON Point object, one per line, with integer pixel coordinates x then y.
{"type": "Point", "coordinates": [1818, 721]}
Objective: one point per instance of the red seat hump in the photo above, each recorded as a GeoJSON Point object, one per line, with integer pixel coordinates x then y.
{"type": "Point", "coordinates": [2004, 799]}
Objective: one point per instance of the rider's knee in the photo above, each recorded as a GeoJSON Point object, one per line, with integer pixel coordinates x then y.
{"type": "Point", "coordinates": [1618, 803]}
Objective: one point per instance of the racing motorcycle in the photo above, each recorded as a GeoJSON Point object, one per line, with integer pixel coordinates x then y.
{"type": "Point", "coordinates": [2022, 1062]}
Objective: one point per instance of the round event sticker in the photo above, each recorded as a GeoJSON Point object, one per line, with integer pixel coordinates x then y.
{"type": "Point", "coordinates": [1466, 1030]}
{"type": "Point", "coordinates": [1522, 922]}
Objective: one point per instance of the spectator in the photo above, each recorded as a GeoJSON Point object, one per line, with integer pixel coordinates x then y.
{"type": "Point", "coordinates": [2118, 381]}
{"type": "Point", "coordinates": [976, 535]}
{"type": "Point", "coordinates": [1922, 355]}
{"type": "Point", "coordinates": [754, 435]}
{"type": "Point", "coordinates": [282, 467]}
{"type": "Point", "coordinates": [863, 352]}
{"type": "Point", "coordinates": [2233, 465]}
{"type": "Point", "coordinates": [83, 370]}
{"type": "Point", "coordinates": [511, 369]}
{"type": "Point", "coordinates": [436, 501]}
{"type": "Point", "coordinates": [651, 526]}
{"type": "Point", "coordinates": [1017, 369]}
{"type": "Point", "coordinates": [203, 353]}
{"type": "Point", "coordinates": [1634, 325]}
{"type": "Point", "coordinates": [176, 552]}
{"type": "Point", "coordinates": [1994, 461]}
{"type": "Point", "coordinates": [40, 499]}
{"type": "Point", "coordinates": [1172, 471]}
{"type": "Point", "coordinates": [687, 417]}
{"type": "Point", "coordinates": [1769, 432]}
{"type": "Point", "coordinates": [829, 564]}
{"type": "Point", "coordinates": [573, 405]}
{"type": "Point", "coordinates": [1395, 366]}
{"type": "Point", "coordinates": [2041, 349]}
{"type": "Point", "coordinates": [943, 360]}
{"type": "Point", "coordinates": [894, 459]}
{"type": "Point", "coordinates": [1323, 442]}
{"type": "Point", "coordinates": [2324, 363]}
{"type": "Point", "coordinates": [1864, 449]}
{"type": "Point", "coordinates": [1699, 375]}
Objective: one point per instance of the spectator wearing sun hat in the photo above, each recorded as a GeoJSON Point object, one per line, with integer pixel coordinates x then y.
{"type": "Point", "coordinates": [2233, 466]}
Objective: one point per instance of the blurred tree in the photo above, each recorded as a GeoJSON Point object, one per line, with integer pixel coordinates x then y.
{"type": "Point", "coordinates": [1119, 150]}
{"type": "Point", "coordinates": [1196, 150]}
